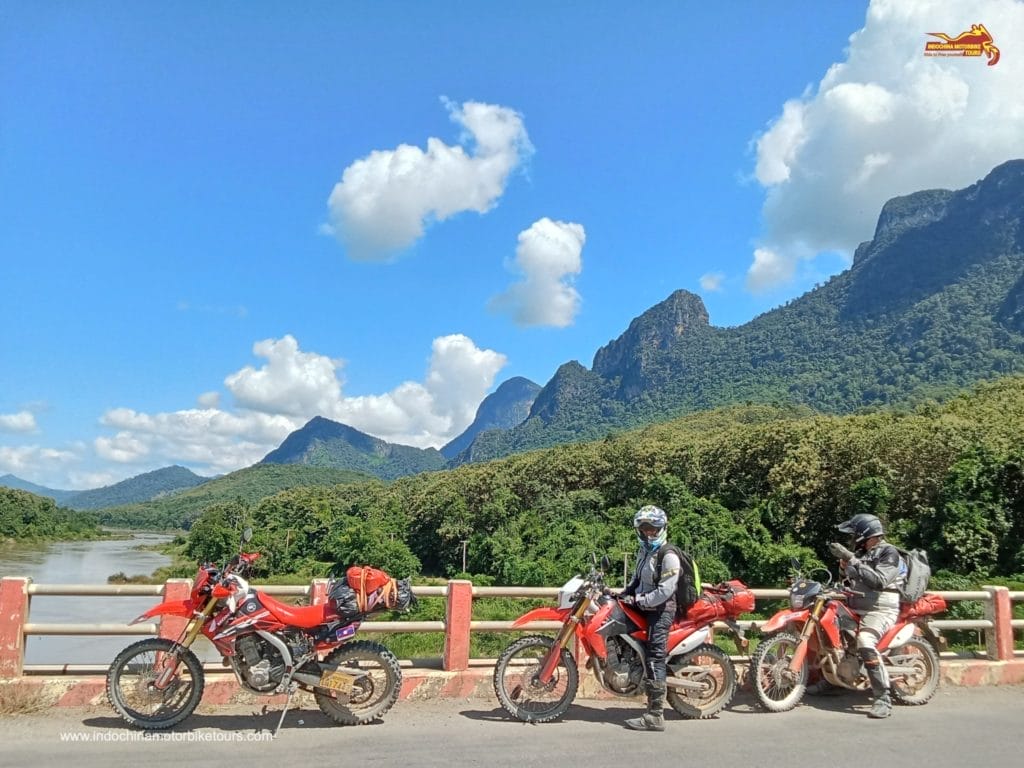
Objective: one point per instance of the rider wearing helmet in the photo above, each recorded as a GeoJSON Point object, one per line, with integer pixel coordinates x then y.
{"type": "Point", "coordinates": [876, 570]}
{"type": "Point", "coordinates": [653, 593]}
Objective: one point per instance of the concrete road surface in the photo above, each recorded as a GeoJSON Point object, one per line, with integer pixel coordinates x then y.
{"type": "Point", "coordinates": [959, 727]}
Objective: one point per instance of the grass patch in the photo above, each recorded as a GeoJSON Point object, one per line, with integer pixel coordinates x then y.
{"type": "Point", "coordinates": [20, 699]}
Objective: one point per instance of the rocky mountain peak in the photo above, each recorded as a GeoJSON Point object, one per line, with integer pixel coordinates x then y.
{"type": "Point", "coordinates": [656, 329]}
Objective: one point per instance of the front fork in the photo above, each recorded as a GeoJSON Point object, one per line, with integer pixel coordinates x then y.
{"type": "Point", "coordinates": [809, 628]}
{"type": "Point", "coordinates": [188, 636]}
{"type": "Point", "coordinates": [565, 634]}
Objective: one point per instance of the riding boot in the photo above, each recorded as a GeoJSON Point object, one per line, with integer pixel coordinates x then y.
{"type": "Point", "coordinates": [882, 705]}
{"type": "Point", "coordinates": [654, 718]}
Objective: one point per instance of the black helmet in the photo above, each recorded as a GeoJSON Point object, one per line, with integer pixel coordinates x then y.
{"type": "Point", "coordinates": [862, 527]}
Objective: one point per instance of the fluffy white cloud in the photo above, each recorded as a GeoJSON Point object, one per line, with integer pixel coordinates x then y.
{"type": "Point", "coordinates": [383, 201]}
{"type": "Point", "coordinates": [549, 256]}
{"type": "Point", "coordinates": [886, 121]}
{"type": "Point", "coordinates": [291, 387]}
{"type": "Point", "coordinates": [28, 460]}
{"type": "Point", "coordinates": [769, 269]}
{"type": "Point", "coordinates": [712, 281]}
{"type": "Point", "coordinates": [22, 421]}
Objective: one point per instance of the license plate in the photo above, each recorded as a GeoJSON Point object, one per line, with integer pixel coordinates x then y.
{"type": "Point", "coordinates": [337, 681]}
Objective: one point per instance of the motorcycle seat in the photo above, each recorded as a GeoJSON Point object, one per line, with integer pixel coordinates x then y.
{"type": "Point", "coordinates": [302, 616]}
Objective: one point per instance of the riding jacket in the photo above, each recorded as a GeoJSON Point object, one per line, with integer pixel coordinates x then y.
{"type": "Point", "coordinates": [878, 573]}
{"type": "Point", "coordinates": [652, 593]}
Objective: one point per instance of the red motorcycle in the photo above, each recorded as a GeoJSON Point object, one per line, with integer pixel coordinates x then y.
{"type": "Point", "coordinates": [536, 677]}
{"type": "Point", "coordinates": [272, 648]}
{"type": "Point", "coordinates": [814, 641]}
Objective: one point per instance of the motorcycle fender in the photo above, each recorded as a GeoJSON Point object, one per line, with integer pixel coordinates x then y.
{"type": "Point", "coordinates": [782, 619]}
{"type": "Point", "coordinates": [173, 608]}
{"type": "Point", "coordinates": [541, 614]}
{"type": "Point", "coordinates": [689, 642]}
{"type": "Point", "coordinates": [896, 637]}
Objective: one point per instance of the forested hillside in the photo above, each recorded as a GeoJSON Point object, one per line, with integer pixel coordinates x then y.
{"type": "Point", "coordinates": [932, 304]}
{"type": "Point", "coordinates": [27, 517]}
{"type": "Point", "coordinates": [745, 487]}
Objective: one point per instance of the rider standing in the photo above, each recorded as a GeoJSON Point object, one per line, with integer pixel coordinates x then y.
{"type": "Point", "coordinates": [875, 569]}
{"type": "Point", "coordinates": [654, 593]}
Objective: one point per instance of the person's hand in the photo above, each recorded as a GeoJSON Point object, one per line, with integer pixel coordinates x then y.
{"type": "Point", "coordinates": [627, 599]}
{"type": "Point", "coordinates": [839, 551]}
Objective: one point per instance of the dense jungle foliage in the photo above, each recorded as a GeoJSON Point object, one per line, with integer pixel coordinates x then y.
{"type": "Point", "coordinates": [27, 517]}
{"type": "Point", "coordinates": [746, 488]}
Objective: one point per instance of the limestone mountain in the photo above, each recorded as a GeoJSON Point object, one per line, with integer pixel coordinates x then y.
{"type": "Point", "coordinates": [931, 304]}
{"type": "Point", "coordinates": [325, 443]}
{"type": "Point", "coordinates": [504, 408]}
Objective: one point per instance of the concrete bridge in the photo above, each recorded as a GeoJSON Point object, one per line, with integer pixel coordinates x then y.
{"type": "Point", "coordinates": [454, 675]}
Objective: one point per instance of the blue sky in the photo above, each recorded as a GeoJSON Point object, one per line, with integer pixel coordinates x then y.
{"type": "Point", "coordinates": [221, 219]}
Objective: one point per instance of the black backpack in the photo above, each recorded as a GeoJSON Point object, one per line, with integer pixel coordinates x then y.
{"type": "Point", "coordinates": [688, 586]}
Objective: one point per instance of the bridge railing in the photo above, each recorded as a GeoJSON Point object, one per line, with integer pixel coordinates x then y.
{"type": "Point", "coordinates": [16, 594]}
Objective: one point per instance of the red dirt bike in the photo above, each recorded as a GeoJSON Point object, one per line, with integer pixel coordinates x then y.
{"type": "Point", "coordinates": [536, 677]}
{"type": "Point", "coordinates": [272, 648]}
{"type": "Point", "coordinates": [814, 642]}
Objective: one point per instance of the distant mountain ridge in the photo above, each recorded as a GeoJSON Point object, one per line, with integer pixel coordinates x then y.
{"type": "Point", "coordinates": [12, 481]}
{"type": "Point", "coordinates": [325, 443]}
{"type": "Point", "coordinates": [144, 487]}
{"type": "Point", "coordinates": [933, 303]}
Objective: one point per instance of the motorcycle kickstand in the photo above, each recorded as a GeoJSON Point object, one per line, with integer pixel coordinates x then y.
{"type": "Point", "coordinates": [292, 688]}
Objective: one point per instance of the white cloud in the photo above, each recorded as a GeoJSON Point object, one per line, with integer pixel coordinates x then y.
{"type": "Point", "coordinates": [549, 255]}
{"type": "Point", "coordinates": [26, 461]}
{"type": "Point", "coordinates": [712, 281]}
{"type": "Point", "coordinates": [384, 200]}
{"type": "Point", "coordinates": [22, 421]}
{"type": "Point", "coordinates": [886, 121]}
{"type": "Point", "coordinates": [291, 387]}
{"type": "Point", "coordinates": [769, 269]}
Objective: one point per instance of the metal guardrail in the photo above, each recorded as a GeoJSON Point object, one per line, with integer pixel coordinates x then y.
{"type": "Point", "coordinates": [463, 593]}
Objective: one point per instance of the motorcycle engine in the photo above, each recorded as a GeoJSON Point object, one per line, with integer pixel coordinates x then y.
{"type": "Point", "coordinates": [259, 663]}
{"type": "Point", "coordinates": [625, 670]}
{"type": "Point", "coordinates": [851, 669]}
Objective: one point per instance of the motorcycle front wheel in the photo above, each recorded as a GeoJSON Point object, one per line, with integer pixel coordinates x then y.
{"type": "Point", "coordinates": [519, 691]}
{"type": "Point", "coordinates": [373, 694]}
{"type": "Point", "coordinates": [133, 694]}
{"type": "Point", "coordinates": [921, 680]}
{"type": "Point", "coordinates": [709, 667]}
{"type": "Point", "coordinates": [777, 688]}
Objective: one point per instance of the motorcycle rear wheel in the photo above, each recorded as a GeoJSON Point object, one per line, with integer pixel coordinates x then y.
{"type": "Point", "coordinates": [130, 688]}
{"type": "Point", "coordinates": [708, 665]}
{"type": "Point", "coordinates": [517, 687]}
{"type": "Point", "coordinates": [920, 686]}
{"type": "Point", "coordinates": [373, 695]}
{"type": "Point", "coordinates": [775, 688]}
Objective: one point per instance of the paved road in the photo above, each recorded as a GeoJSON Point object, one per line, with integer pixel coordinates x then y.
{"type": "Point", "coordinates": [960, 727]}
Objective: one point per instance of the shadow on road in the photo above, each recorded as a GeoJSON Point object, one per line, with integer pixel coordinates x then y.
{"type": "Point", "coordinates": [841, 702]}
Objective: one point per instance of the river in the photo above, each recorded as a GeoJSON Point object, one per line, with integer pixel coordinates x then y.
{"type": "Point", "coordinates": [82, 562]}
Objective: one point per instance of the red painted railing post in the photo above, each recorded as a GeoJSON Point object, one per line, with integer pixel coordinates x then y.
{"type": "Point", "coordinates": [318, 592]}
{"type": "Point", "coordinates": [457, 616]}
{"type": "Point", "coordinates": [175, 591]}
{"type": "Point", "coordinates": [13, 616]}
{"type": "Point", "coordinates": [999, 610]}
